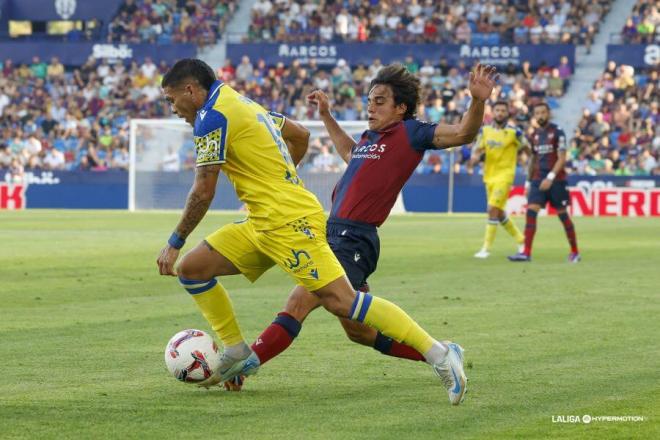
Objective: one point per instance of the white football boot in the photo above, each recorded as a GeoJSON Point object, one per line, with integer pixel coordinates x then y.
{"type": "Point", "coordinates": [450, 371]}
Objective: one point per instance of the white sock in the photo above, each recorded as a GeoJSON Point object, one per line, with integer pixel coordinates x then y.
{"type": "Point", "coordinates": [436, 353]}
{"type": "Point", "coordinates": [239, 351]}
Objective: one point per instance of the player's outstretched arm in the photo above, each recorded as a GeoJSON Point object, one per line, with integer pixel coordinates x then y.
{"type": "Point", "coordinates": [475, 157]}
{"type": "Point", "coordinates": [296, 137]}
{"type": "Point", "coordinates": [199, 199]}
{"type": "Point", "coordinates": [477, 151]}
{"type": "Point", "coordinates": [482, 81]}
{"type": "Point", "coordinates": [344, 143]}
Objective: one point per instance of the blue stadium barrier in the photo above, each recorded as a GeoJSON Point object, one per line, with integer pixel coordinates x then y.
{"type": "Point", "coordinates": [364, 53]}
{"type": "Point", "coordinates": [636, 55]}
{"type": "Point", "coordinates": [591, 195]}
{"type": "Point", "coordinates": [77, 53]}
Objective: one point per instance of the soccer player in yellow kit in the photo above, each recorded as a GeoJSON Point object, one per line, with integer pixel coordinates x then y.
{"type": "Point", "coordinates": [285, 224]}
{"type": "Point", "coordinates": [500, 143]}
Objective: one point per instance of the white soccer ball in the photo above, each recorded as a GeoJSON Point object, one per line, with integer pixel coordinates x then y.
{"type": "Point", "coordinates": [192, 356]}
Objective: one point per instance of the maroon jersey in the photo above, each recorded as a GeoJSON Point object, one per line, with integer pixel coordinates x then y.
{"type": "Point", "coordinates": [380, 165]}
{"type": "Point", "coordinates": [546, 143]}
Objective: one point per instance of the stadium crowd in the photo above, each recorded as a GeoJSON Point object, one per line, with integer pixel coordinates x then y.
{"type": "Point", "coordinates": [642, 25]}
{"type": "Point", "coordinates": [619, 132]}
{"type": "Point", "coordinates": [171, 21]}
{"type": "Point", "coordinates": [427, 21]}
{"type": "Point", "coordinates": [53, 119]}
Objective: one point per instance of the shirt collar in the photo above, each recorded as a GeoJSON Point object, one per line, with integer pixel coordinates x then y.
{"type": "Point", "coordinates": [385, 129]}
{"type": "Point", "coordinates": [215, 87]}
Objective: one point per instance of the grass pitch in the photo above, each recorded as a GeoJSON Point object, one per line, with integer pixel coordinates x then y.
{"type": "Point", "coordinates": [84, 319]}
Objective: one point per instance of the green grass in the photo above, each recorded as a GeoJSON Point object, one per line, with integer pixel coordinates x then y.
{"type": "Point", "coordinates": [84, 318]}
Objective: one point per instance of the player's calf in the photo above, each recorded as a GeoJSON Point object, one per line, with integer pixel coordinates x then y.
{"type": "Point", "coordinates": [359, 333]}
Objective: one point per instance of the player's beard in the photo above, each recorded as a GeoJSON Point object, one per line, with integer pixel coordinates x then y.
{"type": "Point", "coordinates": [542, 122]}
{"type": "Point", "coordinates": [501, 123]}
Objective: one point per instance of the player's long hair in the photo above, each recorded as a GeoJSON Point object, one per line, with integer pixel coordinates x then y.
{"type": "Point", "coordinates": [189, 68]}
{"type": "Point", "coordinates": [405, 86]}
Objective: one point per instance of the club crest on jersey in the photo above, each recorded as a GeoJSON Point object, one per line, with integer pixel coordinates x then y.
{"type": "Point", "coordinates": [209, 147]}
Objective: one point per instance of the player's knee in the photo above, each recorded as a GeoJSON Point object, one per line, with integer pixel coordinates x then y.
{"type": "Point", "coordinates": [336, 305]}
{"type": "Point", "coordinates": [188, 270]}
{"type": "Point", "coordinates": [301, 304]}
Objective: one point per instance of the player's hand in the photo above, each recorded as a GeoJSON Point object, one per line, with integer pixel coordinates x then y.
{"type": "Point", "coordinates": [545, 184]}
{"type": "Point", "coordinates": [167, 259]}
{"type": "Point", "coordinates": [482, 81]}
{"type": "Point", "coordinates": [320, 99]}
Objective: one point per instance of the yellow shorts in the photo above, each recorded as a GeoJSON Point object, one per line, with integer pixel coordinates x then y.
{"type": "Point", "coordinates": [299, 247]}
{"type": "Point", "coordinates": [498, 194]}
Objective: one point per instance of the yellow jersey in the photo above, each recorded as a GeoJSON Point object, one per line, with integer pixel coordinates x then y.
{"type": "Point", "coordinates": [241, 136]}
{"type": "Point", "coordinates": [501, 147]}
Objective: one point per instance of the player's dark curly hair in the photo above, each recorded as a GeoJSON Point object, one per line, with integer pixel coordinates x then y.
{"type": "Point", "coordinates": [189, 68]}
{"type": "Point", "coordinates": [501, 102]}
{"type": "Point", "coordinates": [541, 104]}
{"type": "Point", "coordinates": [404, 85]}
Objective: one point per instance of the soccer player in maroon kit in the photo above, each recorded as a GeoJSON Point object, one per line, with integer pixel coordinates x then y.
{"type": "Point", "coordinates": [547, 181]}
{"type": "Point", "coordinates": [378, 167]}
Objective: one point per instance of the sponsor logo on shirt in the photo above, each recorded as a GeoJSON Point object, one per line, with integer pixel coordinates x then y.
{"type": "Point", "coordinates": [544, 148]}
{"type": "Point", "coordinates": [371, 151]}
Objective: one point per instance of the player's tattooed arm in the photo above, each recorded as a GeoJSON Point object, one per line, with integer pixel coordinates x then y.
{"type": "Point", "coordinates": [199, 199]}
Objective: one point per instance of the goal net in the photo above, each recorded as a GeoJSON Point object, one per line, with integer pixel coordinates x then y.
{"type": "Point", "coordinates": [162, 162]}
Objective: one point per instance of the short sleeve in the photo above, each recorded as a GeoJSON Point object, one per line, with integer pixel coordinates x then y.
{"type": "Point", "coordinates": [519, 134]}
{"type": "Point", "coordinates": [521, 140]}
{"type": "Point", "coordinates": [210, 139]}
{"type": "Point", "coordinates": [278, 120]}
{"type": "Point", "coordinates": [420, 134]}
{"type": "Point", "coordinates": [561, 140]}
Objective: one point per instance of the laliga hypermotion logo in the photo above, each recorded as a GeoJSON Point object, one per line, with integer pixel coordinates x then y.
{"type": "Point", "coordinates": [65, 8]}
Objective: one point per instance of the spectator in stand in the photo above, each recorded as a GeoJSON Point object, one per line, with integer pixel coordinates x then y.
{"type": "Point", "coordinates": [171, 161]}
{"type": "Point", "coordinates": [166, 21]}
{"type": "Point", "coordinates": [624, 131]}
{"type": "Point", "coordinates": [324, 161]}
{"type": "Point", "coordinates": [244, 69]}
{"type": "Point", "coordinates": [54, 160]}
{"type": "Point", "coordinates": [641, 27]}
{"type": "Point", "coordinates": [428, 21]}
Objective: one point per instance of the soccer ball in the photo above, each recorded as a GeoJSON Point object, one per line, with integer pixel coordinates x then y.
{"type": "Point", "coordinates": [192, 356]}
